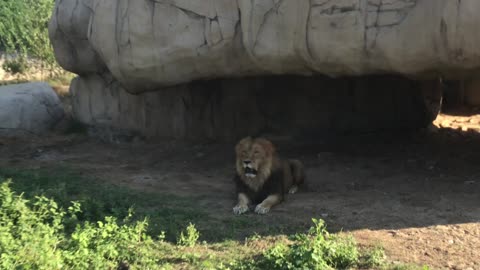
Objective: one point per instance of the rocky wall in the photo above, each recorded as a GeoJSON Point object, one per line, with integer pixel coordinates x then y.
{"type": "Point", "coordinates": [285, 105]}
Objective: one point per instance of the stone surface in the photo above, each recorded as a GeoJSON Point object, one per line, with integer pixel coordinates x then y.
{"type": "Point", "coordinates": [288, 105]}
{"type": "Point", "coordinates": [30, 108]}
{"type": "Point", "coordinates": [472, 92]}
{"type": "Point", "coordinates": [150, 44]}
{"type": "Point", "coordinates": [68, 27]}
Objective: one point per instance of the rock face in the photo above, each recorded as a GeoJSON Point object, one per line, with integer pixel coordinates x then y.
{"type": "Point", "coordinates": [31, 108]}
{"type": "Point", "coordinates": [149, 44]}
{"type": "Point", "coordinates": [231, 108]}
{"type": "Point", "coordinates": [141, 62]}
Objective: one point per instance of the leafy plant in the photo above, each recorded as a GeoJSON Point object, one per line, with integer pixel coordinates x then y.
{"type": "Point", "coordinates": [374, 257]}
{"type": "Point", "coordinates": [33, 236]}
{"type": "Point", "coordinates": [100, 231]}
{"type": "Point", "coordinates": [315, 250]}
{"type": "Point", "coordinates": [17, 66]}
{"type": "Point", "coordinates": [190, 237]}
{"type": "Point", "coordinates": [167, 213]}
{"type": "Point", "coordinates": [24, 32]}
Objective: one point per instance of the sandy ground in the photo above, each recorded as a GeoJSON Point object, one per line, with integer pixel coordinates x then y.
{"type": "Point", "coordinates": [418, 195]}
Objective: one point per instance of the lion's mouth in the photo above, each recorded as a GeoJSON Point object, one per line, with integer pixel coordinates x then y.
{"type": "Point", "coordinates": [250, 172]}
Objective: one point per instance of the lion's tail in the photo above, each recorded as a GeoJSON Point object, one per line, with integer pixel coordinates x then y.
{"type": "Point", "coordinates": [298, 171]}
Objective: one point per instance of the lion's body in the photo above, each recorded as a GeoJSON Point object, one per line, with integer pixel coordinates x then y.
{"type": "Point", "coordinates": [262, 177]}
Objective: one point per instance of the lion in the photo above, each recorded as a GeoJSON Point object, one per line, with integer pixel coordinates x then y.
{"type": "Point", "coordinates": [262, 177]}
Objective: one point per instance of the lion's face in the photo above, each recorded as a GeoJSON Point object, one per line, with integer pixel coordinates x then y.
{"type": "Point", "coordinates": [254, 158]}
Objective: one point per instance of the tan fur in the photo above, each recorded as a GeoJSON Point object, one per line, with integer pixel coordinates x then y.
{"type": "Point", "coordinates": [263, 156]}
{"type": "Point", "coordinates": [298, 174]}
{"type": "Point", "coordinates": [268, 203]}
{"type": "Point", "coordinates": [242, 205]}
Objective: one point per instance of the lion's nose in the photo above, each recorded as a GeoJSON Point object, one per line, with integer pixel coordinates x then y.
{"type": "Point", "coordinates": [246, 162]}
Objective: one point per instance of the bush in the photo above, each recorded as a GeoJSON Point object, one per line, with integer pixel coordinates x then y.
{"type": "Point", "coordinates": [374, 257]}
{"type": "Point", "coordinates": [33, 236]}
{"type": "Point", "coordinates": [315, 250]}
{"type": "Point", "coordinates": [17, 66]}
{"type": "Point", "coordinates": [102, 232]}
{"type": "Point", "coordinates": [24, 30]}
{"type": "Point", "coordinates": [190, 237]}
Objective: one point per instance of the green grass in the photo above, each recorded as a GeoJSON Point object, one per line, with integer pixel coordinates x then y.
{"type": "Point", "coordinates": [374, 257]}
{"type": "Point", "coordinates": [166, 212]}
{"type": "Point", "coordinates": [108, 226]}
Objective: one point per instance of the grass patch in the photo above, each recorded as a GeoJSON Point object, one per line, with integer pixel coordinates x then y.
{"type": "Point", "coordinates": [4, 83]}
{"type": "Point", "coordinates": [61, 79]}
{"type": "Point", "coordinates": [190, 237]}
{"type": "Point", "coordinates": [374, 257]}
{"type": "Point", "coordinates": [110, 227]}
{"type": "Point", "coordinates": [166, 212]}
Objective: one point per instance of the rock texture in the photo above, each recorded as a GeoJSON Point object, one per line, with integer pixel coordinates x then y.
{"type": "Point", "coordinates": [150, 44]}
{"type": "Point", "coordinates": [31, 108]}
{"type": "Point", "coordinates": [288, 105]}
{"type": "Point", "coordinates": [203, 69]}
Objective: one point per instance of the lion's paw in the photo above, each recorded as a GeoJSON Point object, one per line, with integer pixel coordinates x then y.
{"type": "Point", "coordinates": [240, 209]}
{"type": "Point", "coordinates": [293, 190]}
{"type": "Point", "coordinates": [261, 210]}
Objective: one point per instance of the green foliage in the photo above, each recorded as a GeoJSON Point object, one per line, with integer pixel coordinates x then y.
{"type": "Point", "coordinates": [316, 250]}
{"type": "Point", "coordinates": [100, 231]}
{"type": "Point", "coordinates": [167, 213]}
{"type": "Point", "coordinates": [190, 237]}
{"type": "Point", "coordinates": [18, 66]}
{"type": "Point", "coordinates": [24, 30]}
{"type": "Point", "coordinates": [33, 236]}
{"type": "Point", "coordinates": [374, 257]}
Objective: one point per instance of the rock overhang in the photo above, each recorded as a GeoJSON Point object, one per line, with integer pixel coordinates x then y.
{"type": "Point", "coordinates": [149, 45]}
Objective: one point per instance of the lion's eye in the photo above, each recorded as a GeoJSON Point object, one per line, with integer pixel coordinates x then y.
{"type": "Point", "coordinates": [256, 153]}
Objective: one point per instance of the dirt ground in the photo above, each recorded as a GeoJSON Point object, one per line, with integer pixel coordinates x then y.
{"type": "Point", "coordinates": [418, 195]}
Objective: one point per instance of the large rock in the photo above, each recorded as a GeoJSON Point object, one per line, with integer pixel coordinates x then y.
{"type": "Point", "coordinates": [150, 44]}
{"type": "Point", "coordinates": [218, 68]}
{"type": "Point", "coordinates": [30, 108]}
{"type": "Point", "coordinates": [230, 108]}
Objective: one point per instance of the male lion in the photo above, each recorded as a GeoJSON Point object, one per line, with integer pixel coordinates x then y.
{"type": "Point", "coordinates": [263, 178]}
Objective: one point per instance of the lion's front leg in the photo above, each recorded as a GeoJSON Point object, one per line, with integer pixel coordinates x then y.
{"type": "Point", "coordinates": [268, 203]}
{"type": "Point", "coordinates": [242, 205]}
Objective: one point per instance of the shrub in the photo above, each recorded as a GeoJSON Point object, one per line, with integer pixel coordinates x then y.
{"type": "Point", "coordinates": [103, 233]}
{"type": "Point", "coordinates": [374, 257]}
{"type": "Point", "coordinates": [33, 236]}
{"type": "Point", "coordinates": [315, 250]}
{"type": "Point", "coordinates": [18, 66]}
{"type": "Point", "coordinates": [24, 30]}
{"type": "Point", "coordinates": [190, 237]}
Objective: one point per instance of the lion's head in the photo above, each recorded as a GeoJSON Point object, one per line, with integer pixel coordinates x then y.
{"type": "Point", "coordinates": [254, 160]}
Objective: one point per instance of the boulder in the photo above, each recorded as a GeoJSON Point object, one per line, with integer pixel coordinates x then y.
{"type": "Point", "coordinates": [151, 44]}
{"type": "Point", "coordinates": [472, 92]}
{"type": "Point", "coordinates": [29, 108]}
{"type": "Point", "coordinates": [217, 68]}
